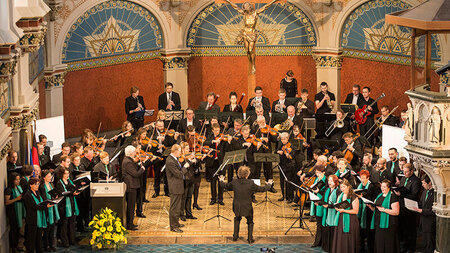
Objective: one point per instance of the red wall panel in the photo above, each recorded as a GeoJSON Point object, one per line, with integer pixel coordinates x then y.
{"type": "Point", "coordinates": [225, 74]}
{"type": "Point", "coordinates": [98, 95]}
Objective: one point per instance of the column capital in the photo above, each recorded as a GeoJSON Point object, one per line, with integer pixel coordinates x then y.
{"type": "Point", "coordinates": [55, 8]}
{"type": "Point", "coordinates": [175, 62]}
{"type": "Point", "coordinates": [54, 76]}
{"type": "Point", "coordinates": [7, 69]}
{"type": "Point", "coordinates": [33, 36]}
{"type": "Point", "coordinates": [23, 120]}
{"type": "Point", "coordinates": [328, 57]}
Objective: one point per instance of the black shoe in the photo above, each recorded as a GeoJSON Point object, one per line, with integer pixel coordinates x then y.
{"type": "Point", "coordinates": [191, 217]}
{"type": "Point", "coordinates": [250, 240]}
{"type": "Point", "coordinates": [146, 201]}
{"type": "Point", "coordinates": [166, 194]}
{"type": "Point", "coordinates": [176, 230]}
{"type": "Point", "coordinates": [289, 201]}
{"type": "Point", "coordinates": [155, 195]}
{"type": "Point", "coordinates": [312, 219]}
{"type": "Point", "coordinates": [295, 205]}
{"type": "Point", "coordinates": [235, 238]}
{"type": "Point", "coordinates": [132, 228]}
{"type": "Point", "coordinates": [221, 203]}
{"type": "Point", "coordinates": [281, 199]}
{"type": "Point", "coordinates": [183, 218]}
{"type": "Point", "coordinates": [212, 202]}
{"type": "Point", "coordinates": [141, 215]}
{"type": "Point", "coordinates": [272, 190]}
{"type": "Point", "coordinates": [181, 225]}
{"type": "Point", "coordinates": [197, 207]}
{"type": "Point", "coordinates": [314, 246]}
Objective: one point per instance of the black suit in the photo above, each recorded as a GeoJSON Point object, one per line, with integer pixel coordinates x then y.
{"type": "Point", "coordinates": [359, 102]}
{"type": "Point", "coordinates": [56, 159]}
{"type": "Point", "coordinates": [131, 104]}
{"type": "Point", "coordinates": [395, 170]}
{"type": "Point", "coordinates": [285, 103]}
{"type": "Point", "coordinates": [364, 128]}
{"type": "Point", "coordinates": [175, 178]}
{"type": "Point", "coordinates": [227, 108]}
{"type": "Point", "coordinates": [33, 236]}
{"type": "Point", "coordinates": [428, 221]}
{"type": "Point", "coordinates": [212, 164]}
{"type": "Point", "coordinates": [162, 102]}
{"type": "Point", "coordinates": [407, 218]}
{"type": "Point", "coordinates": [101, 169]}
{"type": "Point", "coordinates": [182, 126]}
{"type": "Point", "coordinates": [131, 174]}
{"type": "Point", "coordinates": [242, 201]}
{"type": "Point", "coordinates": [309, 111]}
{"type": "Point", "coordinates": [203, 105]}
{"type": "Point", "coordinates": [265, 103]}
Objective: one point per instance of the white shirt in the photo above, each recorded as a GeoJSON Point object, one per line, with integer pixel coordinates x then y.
{"type": "Point", "coordinates": [355, 99]}
{"type": "Point", "coordinates": [189, 123]}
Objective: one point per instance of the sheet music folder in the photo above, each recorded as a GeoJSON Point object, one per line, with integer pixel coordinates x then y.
{"type": "Point", "coordinates": [266, 157]}
{"type": "Point", "coordinates": [174, 115]}
{"type": "Point", "coordinates": [237, 156]}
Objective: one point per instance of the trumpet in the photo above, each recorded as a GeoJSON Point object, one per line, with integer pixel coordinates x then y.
{"type": "Point", "coordinates": [338, 123]}
{"type": "Point", "coordinates": [328, 101]}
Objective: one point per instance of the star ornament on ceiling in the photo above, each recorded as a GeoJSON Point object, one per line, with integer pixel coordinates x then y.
{"type": "Point", "coordinates": [113, 39]}
{"type": "Point", "coordinates": [389, 38]}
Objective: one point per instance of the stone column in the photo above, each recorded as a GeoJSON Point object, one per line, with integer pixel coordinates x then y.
{"type": "Point", "coordinates": [175, 65]}
{"type": "Point", "coordinates": [328, 65]}
{"type": "Point", "coordinates": [54, 83]}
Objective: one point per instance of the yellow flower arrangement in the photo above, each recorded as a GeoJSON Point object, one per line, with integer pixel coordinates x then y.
{"type": "Point", "coordinates": [107, 230]}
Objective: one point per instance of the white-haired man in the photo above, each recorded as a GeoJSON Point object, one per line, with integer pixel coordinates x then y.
{"type": "Point", "coordinates": [132, 174]}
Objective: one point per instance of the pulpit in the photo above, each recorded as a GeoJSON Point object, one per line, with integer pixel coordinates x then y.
{"type": "Point", "coordinates": [111, 195]}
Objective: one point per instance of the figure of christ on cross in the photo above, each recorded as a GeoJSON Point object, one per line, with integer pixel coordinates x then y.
{"type": "Point", "coordinates": [249, 34]}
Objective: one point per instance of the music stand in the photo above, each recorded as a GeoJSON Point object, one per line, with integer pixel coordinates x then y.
{"type": "Point", "coordinates": [223, 116]}
{"type": "Point", "coordinates": [201, 114]}
{"type": "Point", "coordinates": [231, 157]}
{"type": "Point", "coordinates": [174, 115]}
{"type": "Point", "coordinates": [331, 145]}
{"type": "Point", "coordinates": [278, 118]}
{"type": "Point", "coordinates": [309, 123]}
{"type": "Point", "coordinates": [349, 108]}
{"type": "Point", "coordinates": [149, 112]}
{"type": "Point", "coordinates": [301, 222]}
{"type": "Point", "coordinates": [266, 158]}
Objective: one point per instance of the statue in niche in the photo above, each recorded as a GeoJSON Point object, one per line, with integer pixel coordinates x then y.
{"type": "Point", "coordinates": [409, 124]}
{"type": "Point", "coordinates": [249, 34]}
{"type": "Point", "coordinates": [435, 125]}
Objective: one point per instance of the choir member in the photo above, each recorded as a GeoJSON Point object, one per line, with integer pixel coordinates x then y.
{"type": "Point", "coordinates": [427, 216]}
{"type": "Point", "coordinates": [169, 100]}
{"type": "Point", "coordinates": [408, 218]}
{"type": "Point", "coordinates": [68, 208]}
{"type": "Point", "coordinates": [393, 163]}
{"type": "Point", "coordinates": [212, 163]}
{"type": "Point", "coordinates": [385, 220]}
{"type": "Point", "coordinates": [324, 101]}
{"type": "Point", "coordinates": [367, 100]}
{"type": "Point", "coordinates": [44, 159]}
{"type": "Point", "coordinates": [382, 172]}
{"type": "Point", "coordinates": [346, 235]}
{"type": "Point", "coordinates": [104, 169]}
{"type": "Point", "coordinates": [15, 210]}
{"type": "Point", "coordinates": [344, 172]}
{"type": "Point", "coordinates": [134, 108]}
{"type": "Point", "coordinates": [258, 100]}
{"type": "Point", "coordinates": [355, 97]}
{"type": "Point", "coordinates": [289, 84]}
{"type": "Point", "coordinates": [281, 104]}
{"type": "Point", "coordinates": [319, 187]}
{"type": "Point", "coordinates": [233, 106]}
{"type": "Point", "coordinates": [28, 174]}
{"type": "Point", "coordinates": [77, 148]}
{"type": "Point", "coordinates": [287, 164]}
{"type": "Point", "coordinates": [75, 164]}
{"type": "Point", "coordinates": [11, 164]}
{"type": "Point", "coordinates": [244, 189]}
{"type": "Point", "coordinates": [329, 215]}
{"type": "Point", "coordinates": [189, 158]}
{"type": "Point", "coordinates": [131, 174]}
{"type": "Point", "coordinates": [65, 150]}
{"type": "Point", "coordinates": [209, 104]}
{"type": "Point", "coordinates": [43, 139]}
{"type": "Point", "coordinates": [52, 213]}
{"type": "Point", "coordinates": [190, 120]}
{"type": "Point", "coordinates": [36, 220]}
{"type": "Point", "coordinates": [368, 191]}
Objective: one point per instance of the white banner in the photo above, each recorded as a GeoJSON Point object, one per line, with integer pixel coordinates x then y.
{"type": "Point", "coordinates": [394, 137]}
{"type": "Point", "coordinates": [53, 128]}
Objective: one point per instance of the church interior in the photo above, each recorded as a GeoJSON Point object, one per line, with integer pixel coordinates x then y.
{"type": "Point", "coordinates": [74, 70]}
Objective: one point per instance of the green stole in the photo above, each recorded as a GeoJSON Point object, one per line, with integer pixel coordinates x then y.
{"type": "Point", "coordinates": [338, 173]}
{"type": "Point", "coordinates": [384, 217]}
{"type": "Point", "coordinates": [328, 219]}
{"type": "Point", "coordinates": [392, 167]}
{"type": "Point", "coordinates": [68, 205]}
{"type": "Point", "coordinates": [363, 208]}
{"type": "Point", "coordinates": [53, 213]}
{"type": "Point", "coordinates": [318, 210]}
{"type": "Point", "coordinates": [41, 220]}
{"type": "Point", "coordinates": [346, 216]}
{"type": "Point", "coordinates": [18, 205]}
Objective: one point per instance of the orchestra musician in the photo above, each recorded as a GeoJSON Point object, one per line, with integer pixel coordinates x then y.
{"type": "Point", "coordinates": [233, 106]}
{"type": "Point", "coordinates": [324, 101]}
{"type": "Point", "coordinates": [304, 107]}
{"type": "Point", "coordinates": [190, 120]}
{"type": "Point", "coordinates": [194, 165]}
{"type": "Point", "coordinates": [210, 104]}
{"type": "Point", "coordinates": [234, 133]}
{"type": "Point", "coordinates": [281, 104]}
{"type": "Point", "coordinates": [367, 100]}
{"type": "Point", "coordinates": [258, 100]}
{"type": "Point", "coordinates": [338, 132]}
{"type": "Point", "coordinates": [287, 164]}
{"type": "Point", "coordinates": [294, 120]}
{"type": "Point", "coordinates": [352, 145]}
{"type": "Point", "coordinates": [169, 100]}
{"type": "Point", "coordinates": [355, 97]}
{"type": "Point", "coordinates": [390, 120]}
{"type": "Point", "coordinates": [259, 111]}
{"type": "Point", "coordinates": [134, 108]}
{"type": "Point", "coordinates": [289, 84]}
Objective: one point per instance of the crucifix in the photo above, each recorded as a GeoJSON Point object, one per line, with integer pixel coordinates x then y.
{"type": "Point", "coordinates": [248, 34]}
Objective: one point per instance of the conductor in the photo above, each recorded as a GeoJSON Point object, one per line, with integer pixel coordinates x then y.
{"type": "Point", "coordinates": [242, 203]}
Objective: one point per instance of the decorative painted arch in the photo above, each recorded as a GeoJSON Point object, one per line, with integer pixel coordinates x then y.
{"type": "Point", "coordinates": [112, 32]}
{"type": "Point", "coordinates": [283, 29]}
{"type": "Point", "coordinates": [365, 35]}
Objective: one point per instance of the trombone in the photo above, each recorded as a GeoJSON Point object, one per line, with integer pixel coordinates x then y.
{"type": "Point", "coordinates": [339, 123]}
{"type": "Point", "coordinates": [379, 124]}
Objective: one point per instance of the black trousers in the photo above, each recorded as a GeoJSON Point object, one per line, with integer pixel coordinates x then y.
{"type": "Point", "coordinates": [158, 177]}
{"type": "Point", "coordinates": [196, 189]}
{"type": "Point", "coordinates": [237, 222]}
{"type": "Point", "coordinates": [67, 230]}
{"type": "Point", "coordinates": [139, 200]}
{"type": "Point", "coordinates": [186, 202]}
{"type": "Point", "coordinates": [84, 204]}
{"type": "Point", "coordinates": [408, 232]}
{"type": "Point", "coordinates": [33, 238]}
{"type": "Point", "coordinates": [137, 123]}
{"type": "Point", "coordinates": [49, 236]}
{"type": "Point", "coordinates": [318, 238]}
{"type": "Point", "coordinates": [14, 232]}
{"type": "Point", "coordinates": [369, 235]}
{"type": "Point", "coordinates": [175, 210]}
{"type": "Point", "coordinates": [144, 184]}
{"type": "Point", "coordinates": [429, 241]}
{"type": "Point", "coordinates": [287, 189]}
{"type": "Point", "coordinates": [256, 172]}
{"type": "Point", "coordinates": [131, 205]}
{"type": "Point", "coordinates": [364, 128]}
{"type": "Point", "coordinates": [216, 189]}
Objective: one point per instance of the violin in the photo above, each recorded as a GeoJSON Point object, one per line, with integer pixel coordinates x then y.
{"type": "Point", "coordinates": [144, 154]}
{"type": "Point", "coordinates": [287, 149]}
{"type": "Point", "coordinates": [170, 132]}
